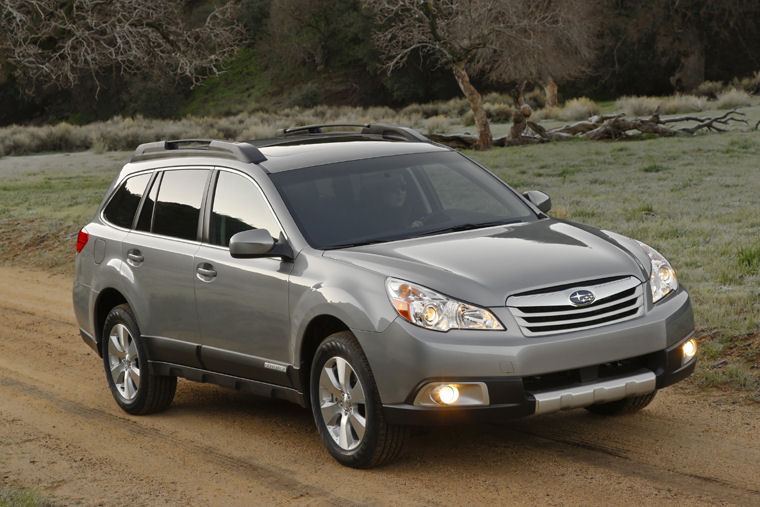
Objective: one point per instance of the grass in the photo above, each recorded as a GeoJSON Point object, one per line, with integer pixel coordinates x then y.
{"type": "Point", "coordinates": [692, 198]}
{"type": "Point", "coordinates": [13, 497]}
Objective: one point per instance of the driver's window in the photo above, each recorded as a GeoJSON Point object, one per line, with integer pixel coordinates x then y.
{"type": "Point", "coordinates": [238, 206]}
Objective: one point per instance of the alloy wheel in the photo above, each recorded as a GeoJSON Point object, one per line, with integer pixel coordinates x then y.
{"type": "Point", "coordinates": [124, 361]}
{"type": "Point", "coordinates": [342, 403]}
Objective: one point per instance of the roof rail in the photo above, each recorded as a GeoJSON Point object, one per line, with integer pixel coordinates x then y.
{"type": "Point", "coordinates": [243, 152]}
{"type": "Point", "coordinates": [379, 129]}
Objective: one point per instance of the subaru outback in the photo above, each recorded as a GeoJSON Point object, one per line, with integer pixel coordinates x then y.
{"type": "Point", "coordinates": [373, 276]}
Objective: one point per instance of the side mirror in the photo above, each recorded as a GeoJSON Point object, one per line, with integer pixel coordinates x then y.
{"type": "Point", "coordinates": [539, 199]}
{"type": "Point", "coordinates": [258, 243]}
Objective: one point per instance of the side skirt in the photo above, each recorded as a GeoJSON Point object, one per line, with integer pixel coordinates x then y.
{"type": "Point", "coordinates": [241, 384]}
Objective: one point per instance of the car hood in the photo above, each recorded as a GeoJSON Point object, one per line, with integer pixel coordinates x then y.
{"type": "Point", "coordinates": [485, 266]}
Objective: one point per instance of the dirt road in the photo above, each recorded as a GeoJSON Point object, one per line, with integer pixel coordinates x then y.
{"type": "Point", "coordinates": [62, 434]}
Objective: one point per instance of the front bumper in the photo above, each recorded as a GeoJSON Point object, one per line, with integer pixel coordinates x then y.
{"type": "Point", "coordinates": [519, 397]}
{"type": "Point", "coordinates": [404, 357]}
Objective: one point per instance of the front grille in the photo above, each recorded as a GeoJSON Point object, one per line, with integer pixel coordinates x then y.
{"type": "Point", "coordinates": [551, 312]}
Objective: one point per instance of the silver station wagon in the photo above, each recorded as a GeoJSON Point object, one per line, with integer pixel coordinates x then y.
{"type": "Point", "coordinates": [373, 276]}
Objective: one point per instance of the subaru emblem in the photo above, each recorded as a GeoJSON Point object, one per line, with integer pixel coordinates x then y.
{"type": "Point", "coordinates": [582, 298]}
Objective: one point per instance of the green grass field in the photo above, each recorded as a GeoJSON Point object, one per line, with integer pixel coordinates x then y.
{"type": "Point", "coordinates": [695, 199]}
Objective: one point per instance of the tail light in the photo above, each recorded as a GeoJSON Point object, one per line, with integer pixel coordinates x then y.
{"type": "Point", "coordinates": [82, 239]}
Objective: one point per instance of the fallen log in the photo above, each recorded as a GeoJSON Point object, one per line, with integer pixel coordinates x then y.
{"type": "Point", "coordinates": [599, 128]}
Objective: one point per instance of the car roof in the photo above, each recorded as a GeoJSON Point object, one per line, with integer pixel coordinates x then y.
{"type": "Point", "coordinates": [296, 148]}
{"type": "Point", "coordinates": [289, 157]}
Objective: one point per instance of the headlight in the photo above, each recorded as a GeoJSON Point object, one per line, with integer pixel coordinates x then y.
{"type": "Point", "coordinates": [663, 280]}
{"type": "Point", "coordinates": [426, 308]}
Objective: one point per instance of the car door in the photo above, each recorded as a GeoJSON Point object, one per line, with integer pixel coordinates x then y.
{"type": "Point", "coordinates": [159, 261]}
{"type": "Point", "coordinates": [242, 303]}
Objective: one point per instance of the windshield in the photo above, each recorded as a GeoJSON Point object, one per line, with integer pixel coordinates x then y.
{"type": "Point", "coordinates": [396, 197]}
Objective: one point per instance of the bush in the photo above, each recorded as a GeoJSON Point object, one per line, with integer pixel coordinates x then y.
{"type": "Point", "coordinates": [683, 104]}
{"type": "Point", "coordinates": [637, 106]}
{"type": "Point", "coordinates": [710, 89]}
{"type": "Point", "coordinates": [581, 108]}
{"type": "Point", "coordinates": [733, 98]}
{"type": "Point", "coordinates": [499, 113]}
{"type": "Point", "coordinates": [547, 113]}
{"type": "Point", "coordinates": [437, 125]}
{"type": "Point", "coordinates": [749, 84]}
{"type": "Point", "coordinates": [535, 98]}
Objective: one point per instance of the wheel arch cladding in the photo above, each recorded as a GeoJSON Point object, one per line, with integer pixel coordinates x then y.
{"type": "Point", "coordinates": [107, 300]}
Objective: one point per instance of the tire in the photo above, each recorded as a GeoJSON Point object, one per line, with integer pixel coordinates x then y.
{"type": "Point", "coordinates": [347, 408]}
{"type": "Point", "coordinates": [624, 406]}
{"type": "Point", "coordinates": [125, 359]}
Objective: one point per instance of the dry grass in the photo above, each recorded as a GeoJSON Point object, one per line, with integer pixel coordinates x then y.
{"type": "Point", "coordinates": [121, 133]}
{"type": "Point", "coordinates": [437, 125]}
{"type": "Point", "coordinates": [637, 106]}
{"type": "Point", "coordinates": [578, 109]}
{"type": "Point", "coordinates": [733, 98]}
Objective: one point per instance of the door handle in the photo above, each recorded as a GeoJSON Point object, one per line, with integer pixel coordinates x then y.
{"type": "Point", "coordinates": [205, 272]}
{"type": "Point", "coordinates": [134, 257]}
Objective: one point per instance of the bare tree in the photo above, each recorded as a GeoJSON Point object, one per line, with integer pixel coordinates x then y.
{"type": "Point", "coordinates": [504, 40]}
{"type": "Point", "coordinates": [58, 42]}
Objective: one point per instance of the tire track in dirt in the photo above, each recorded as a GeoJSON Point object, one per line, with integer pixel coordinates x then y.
{"type": "Point", "coordinates": [64, 434]}
{"type": "Point", "coordinates": [600, 455]}
{"type": "Point", "coordinates": [278, 480]}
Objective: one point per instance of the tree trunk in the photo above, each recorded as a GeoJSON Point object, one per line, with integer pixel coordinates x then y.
{"type": "Point", "coordinates": [550, 89]}
{"type": "Point", "coordinates": [485, 139]}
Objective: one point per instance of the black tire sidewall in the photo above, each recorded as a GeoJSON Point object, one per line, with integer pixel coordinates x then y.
{"type": "Point", "coordinates": [123, 315]}
{"type": "Point", "coordinates": [344, 345]}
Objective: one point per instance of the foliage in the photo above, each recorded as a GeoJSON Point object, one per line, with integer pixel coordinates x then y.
{"type": "Point", "coordinates": [53, 43]}
{"type": "Point", "coordinates": [578, 109]}
{"type": "Point", "coordinates": [503, 40]}
{"type": "Point", "coordinates": [733, 98]}
{"type": "Point", "coordinates": [12, 497]}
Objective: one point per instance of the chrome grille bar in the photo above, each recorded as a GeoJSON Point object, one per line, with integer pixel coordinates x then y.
{"type": "Point", "coordinates": [551, 312]}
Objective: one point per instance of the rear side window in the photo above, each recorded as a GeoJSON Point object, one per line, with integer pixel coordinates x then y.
{"type": "Point", "coordinates": [179, 202]}
{"type": "Point", "coordinates": [121, 210]}
{"type": "Point", "coordinates": [238, 206]}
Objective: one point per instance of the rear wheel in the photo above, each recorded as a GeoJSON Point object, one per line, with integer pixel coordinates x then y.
{"type": "Point", "coordinates": [134, 388]}
{"type": "Point", "coordinates": [347, 408]}
{"type": "Point", "coordinates": [624, 406]}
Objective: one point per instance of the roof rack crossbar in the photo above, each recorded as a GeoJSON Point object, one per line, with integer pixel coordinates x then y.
{"type": "Point", "coordinates": [317, 128]}
{"type": "Point", "coordinates": [381, 129]}
{"type": "Point", "coordinates": [243, 152]}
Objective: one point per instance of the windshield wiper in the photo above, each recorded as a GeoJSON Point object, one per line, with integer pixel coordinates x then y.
{"type": "Point", "coordinates": [358, 243]}
{"type": "Point", "coordinates": [467, 227]}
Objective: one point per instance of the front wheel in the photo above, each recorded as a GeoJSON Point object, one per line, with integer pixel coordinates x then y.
{"type": "Point", "coordinates": [134, 388]}
{"type": "Point", "coordinates": [347, 408]}
{"type": "Point", "coordinates": [624, 406]}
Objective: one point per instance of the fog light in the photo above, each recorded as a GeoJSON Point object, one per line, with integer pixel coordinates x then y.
{"type": "Point", "coordinates": [447, 394]}
{"type": "Point", "coordinates": [689, 350]}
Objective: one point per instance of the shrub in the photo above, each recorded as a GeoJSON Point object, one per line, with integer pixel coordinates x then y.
{"type": "Point", "coordinates": [547, 113]}
{"type": "Point", "coordinates": [437, 124]}
{"type": "Point", "coordinates": [683, 104]}
{"type": "Point", "coordinates": [499, 113]}
{"type": "Point", "coordinates": [535, 98]}
{"type": "Point", "coordinates": [709, 89]}
{"type": "Point", "coordinates": [733, 98]}
{"type": "Point", "coordinates": [259, 131]}
{"type": "Point", "coordinates": [637, 106]}
{"type": "Point", "coordinates": [578, 109]}
{"type": "Point", "coordinates": [749, 84]}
